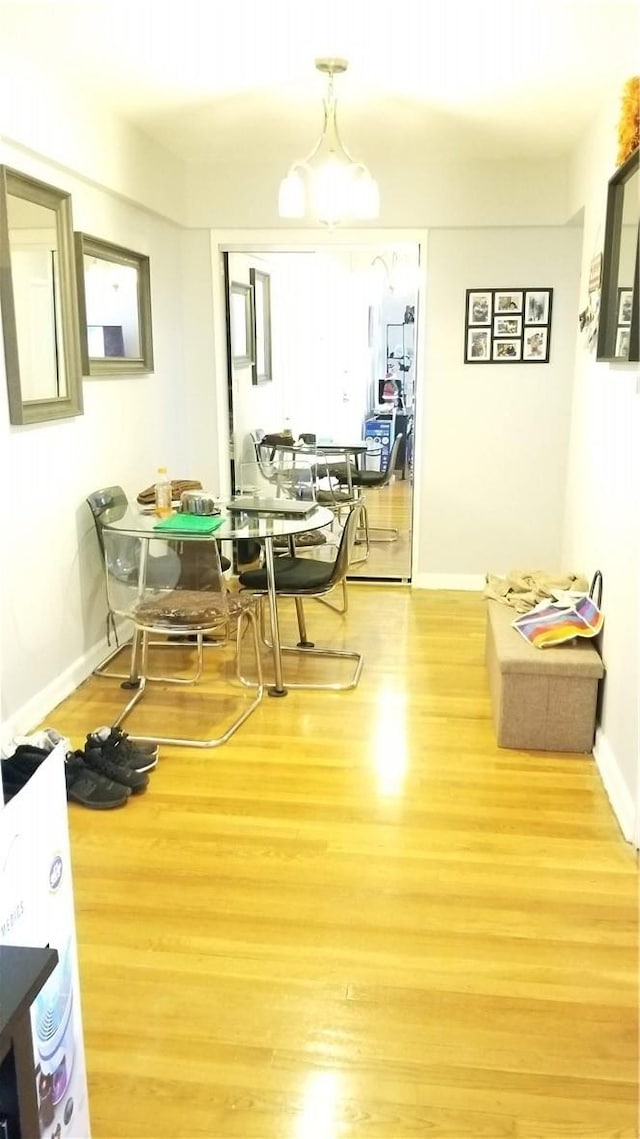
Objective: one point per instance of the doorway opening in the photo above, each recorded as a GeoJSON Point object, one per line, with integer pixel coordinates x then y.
{"type": "Point", "coordinates": [323, 342]}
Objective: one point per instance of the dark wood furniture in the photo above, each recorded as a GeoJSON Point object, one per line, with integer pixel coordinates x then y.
{"type": "Point", "coordinates": [23, 972]}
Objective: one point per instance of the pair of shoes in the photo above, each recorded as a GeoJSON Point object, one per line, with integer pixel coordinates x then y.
{"type": "Point", "coordinates": [83, 785]}
{"type": "Point", "coordinates": [92, 788]}
{"type": "Point", "coordinates": [109, 752]}
{"type": "Point", "coordinates": [117, 747]}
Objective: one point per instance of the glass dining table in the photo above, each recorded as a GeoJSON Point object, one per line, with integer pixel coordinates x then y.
{"type": "Point", "coordinates": [319, 452]}
{"type": "Point", "coordinates": [234, 525]}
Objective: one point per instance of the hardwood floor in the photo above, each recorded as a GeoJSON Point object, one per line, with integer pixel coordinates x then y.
{"type": "Point", "coordinates": [359, 918]}
{"type": "Point", "coordinates": [389, 506]}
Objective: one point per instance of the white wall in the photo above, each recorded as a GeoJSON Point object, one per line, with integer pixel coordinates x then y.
{"type": "Point", "coordinates": [51, 594]}
{"type": "Point", "coordinates": [602, 516]}
{"type": "Point", "coordinates": [494, 437]}
{"type": "Point", "coordinates": [415, 190]}
{"type": "Point", "coordinates": [42, 113]}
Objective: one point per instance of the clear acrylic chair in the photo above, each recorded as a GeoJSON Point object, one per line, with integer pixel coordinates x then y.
{"type": "Point", "coordinates": [203, 607]}
{"type": "Point", "coordinates": [109, 504]}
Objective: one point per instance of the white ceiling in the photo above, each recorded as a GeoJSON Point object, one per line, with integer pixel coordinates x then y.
{"type": "Point", "coordinates": [490, 78]}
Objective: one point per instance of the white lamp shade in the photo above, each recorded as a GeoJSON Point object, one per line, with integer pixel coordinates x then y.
{"type": "Point", "coordinates": [291, 196]}
{"type": "Point", "coordinates": [331, 190]}
{"type": "Point", "coordinates": [366, 197]}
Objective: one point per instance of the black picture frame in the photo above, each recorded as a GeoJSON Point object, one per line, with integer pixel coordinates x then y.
{"type": "Point", "coordinates": [621, 265]}
{"type": "Point", "coordinates": [507, 326]}
{"type": "Point", "coordinates": [261, 303]}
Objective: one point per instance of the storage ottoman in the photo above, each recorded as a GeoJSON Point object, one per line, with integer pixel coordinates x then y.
{"type": "Point", "coordinates": [542, 699]}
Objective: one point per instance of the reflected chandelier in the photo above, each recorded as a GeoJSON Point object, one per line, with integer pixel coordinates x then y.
{"type": "Point", "coordinates": [338, 187]}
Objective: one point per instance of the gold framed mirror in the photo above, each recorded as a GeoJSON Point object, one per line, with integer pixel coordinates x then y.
{"type": "Point", "coordinates": [114, 302]}
{"type": "Point", "coordinates": [38, 300]}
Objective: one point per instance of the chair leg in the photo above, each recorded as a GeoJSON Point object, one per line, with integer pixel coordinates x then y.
{"type": "Point", "coordinates": [392, 530]}
{"type": "Point", "coordinates": [369, 531]}
{"type": "Point", "coordinates": [102, 668]}
{"type": "Point", "coordinates": [362, 529]}
{"type": "Point", "coordinates": [309, 650]}
{"type": "Point", "coordinates": [216, 740]}
{"type": "Point", "coordinates": [341, 609]}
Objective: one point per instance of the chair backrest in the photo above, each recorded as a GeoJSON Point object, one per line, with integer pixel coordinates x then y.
{"type": "Point", "coordinates": [393, 455]}
{"type": "Point", "coordinates": [264, 456]}
{"type": "Point", "coordinates": [345, 549]}
{"type": "Point", "coordinates": [107, 505]}
{"type": "Point", "coordinates": [295, 476]}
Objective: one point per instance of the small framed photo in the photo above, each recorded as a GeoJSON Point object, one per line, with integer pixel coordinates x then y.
{"type": "Point", "coordinates": [478, 345]}
{"type": "Point", "coordinates": [535, 344]}
{"type": "Point", "coordinates": [507, 326]}
{"type": "Point", "coordinates": [507, 350]}
{"type": "Point", "coordinates": [622, 343]}
{"type": "Point", "coordinates": [508, 301]}
{"type": "Point", "coordinates": [625, 303]}
{"type": "Point", "coordinates": [536, 307]}
{"type": "Point", "coordinates": [478, 307]}
{"type": "Point", "coordinates": [241, 324]}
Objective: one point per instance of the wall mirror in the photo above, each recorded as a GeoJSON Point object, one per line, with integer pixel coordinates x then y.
{"type": "Point", "coordinates": [38, 300]}
{"type": "Point", "coordinates": [114, 301]}
{"type": "Point", "coordinates": [618, 333]}
{"type": "Point", "coordinates": [261, 292]}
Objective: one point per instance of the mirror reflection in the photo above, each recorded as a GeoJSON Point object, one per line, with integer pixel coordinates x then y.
{"type": "Point", "coordinates": [618, 332]}
{"type": "Point", "coordinates": [343, 347]}
{"type": "Point", "coordinates": [33, 246]}
{"type": "Point", "coordinates": [38, 300]}
{"type": "Point", "coordinates": [115, 306]}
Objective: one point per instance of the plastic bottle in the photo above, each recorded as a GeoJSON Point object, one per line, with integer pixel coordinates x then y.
{"type": "Point", "coordinates": [163, 493]}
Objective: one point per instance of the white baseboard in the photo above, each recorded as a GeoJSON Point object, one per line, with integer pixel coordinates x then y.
{"type": "Point", "coordinates": [619, 795]}
{"type": "Point", "coordinates": [470, 582]}
{"type": "Point", "coordinates": [42, 705]}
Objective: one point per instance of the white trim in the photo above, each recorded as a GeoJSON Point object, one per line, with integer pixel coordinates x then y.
{"type": "Point", "coordinates": [277, 240]}
{"type": "Point", "coordinates": [42, 706]}
{"type": "Point", "coordinates": [294, 240]}
{"type": "Point", "coordinates": [470, 582]}
{"type": "Point", "coordinates": [619, 795]}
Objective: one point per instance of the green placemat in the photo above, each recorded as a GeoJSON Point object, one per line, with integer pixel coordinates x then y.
{"type": "Point", "coordinates": [190, 523]}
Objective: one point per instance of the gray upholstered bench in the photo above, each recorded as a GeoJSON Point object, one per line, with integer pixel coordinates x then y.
{"type": "Point", "coordinates": [542, 699]}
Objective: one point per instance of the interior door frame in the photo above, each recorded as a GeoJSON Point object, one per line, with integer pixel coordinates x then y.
{"type": "Point", "coordinates": [309, 240]}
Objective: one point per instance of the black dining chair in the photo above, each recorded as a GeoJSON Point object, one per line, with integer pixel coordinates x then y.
{"type": "Point", "coordinates": [370, 480]}
{"type": "Point", "coordinates": [302, 577]}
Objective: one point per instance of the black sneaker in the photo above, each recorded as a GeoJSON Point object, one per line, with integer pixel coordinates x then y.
{"type": "Point", "coordinates": [117, 746]}
{"type": "Point", "coordinates": [83, 786]}
{"type": "Point", "coordinates": [18, 768]}
{"type": "Point", "coordinates": [97, 759]}
{"type": "Point", "coordinates": [90, 788]}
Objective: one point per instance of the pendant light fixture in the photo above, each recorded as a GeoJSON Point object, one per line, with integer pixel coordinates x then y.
{"type": "Point", "coordinates": [329, 183]}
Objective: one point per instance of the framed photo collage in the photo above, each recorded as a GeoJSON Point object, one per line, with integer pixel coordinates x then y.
{"type": "Point", "coordinates": [507, 326]}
